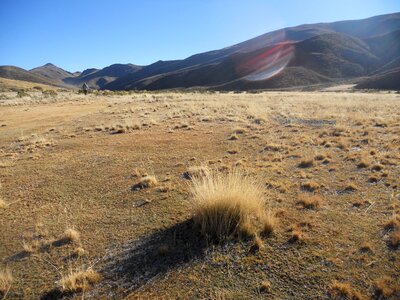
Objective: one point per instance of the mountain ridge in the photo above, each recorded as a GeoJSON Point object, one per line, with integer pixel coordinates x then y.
{"type": "Point", "coordinates": [322, 51]}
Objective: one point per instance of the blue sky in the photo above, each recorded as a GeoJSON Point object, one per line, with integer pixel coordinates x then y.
{"type": "Point", "coordinates": [78, 34]}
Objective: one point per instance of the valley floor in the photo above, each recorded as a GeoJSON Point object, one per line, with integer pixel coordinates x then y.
{"type": "Point", "coordinates": [69, 161]}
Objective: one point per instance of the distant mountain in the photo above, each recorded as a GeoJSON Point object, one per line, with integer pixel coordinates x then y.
{"type": "Point", "coordinates": [96, 78]}
{"type": "Point", "coordinates": [15, 73]}
{"type": "Point", "coordinates": [309, 54]}
{"type": "Point", "coordinates": [52, 72]}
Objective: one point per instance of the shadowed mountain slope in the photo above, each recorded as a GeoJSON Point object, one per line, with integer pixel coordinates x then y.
{"type": "Point", "coordinates": [321, 52]}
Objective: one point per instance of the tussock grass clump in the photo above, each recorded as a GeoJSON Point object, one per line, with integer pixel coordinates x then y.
{"type": "Point", "coordinates": [386, 287]}
{"type": "Point", "coordinates": [265, 286]}
{"type": "Point", "coordinates": [145, 182]}
{"type": "Point", "coordinates": [269, 224]}
{"type": "Point", "coordinates": [310, 186]}
{"type": "Point", "coordinates": [71, 235]}
{"type": "Point", "coordinates": [6, 280]}
{"type": "Point", "coordinates": [351, 187]}
{"type": "Point", "coordinates": [3, 203]}
{"type": "Point", "coordinates": [339, 290]}
{"type": "Point", "coordinates": [79, 281]}
{"type": "Point", "coordinates": [310, 202]}
{"type": "Point", "coordinates": [394, 239]}
{"type": "Point", "coordinates": [196, 171]}
{"type": "Point", "coordinates": [306, 163]}
{"type": "Point", "coordinates": [227, 205]}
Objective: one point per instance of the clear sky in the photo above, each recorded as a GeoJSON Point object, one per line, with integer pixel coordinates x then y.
{"type": "Point", "coordinates": [79, 34]}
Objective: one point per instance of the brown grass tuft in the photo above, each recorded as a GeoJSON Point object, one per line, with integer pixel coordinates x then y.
{"type": "Point", "coordinates": [265, 286]}
{"type": "Point", "coordinates": [146, 182]}
{"type": "Point", "coordinates": [3, 203]}
{"type": "Point", "coordinates": [269, 224]}
{"type": "Point", "coordinates": [364, 163]}
{"type": "Point", "coordinates": [226, 205]}
{"type": "Point", "coordinates": [306, 163]}
{"type": "Point", "coordinates": [386, 287]}
{"type": "Point", "coordinates": [366, 248]}
{"type": "Point", "coordinates": [71, 235]}
{"type": "Point", "coordinates": [351, 187]}
{"type": "Point", "coordinates": [79, 281]}
{"type": "Point", "coordinates": [296, 236]}
{"type": "Point", "coordinates": [6, 280]}
{"type": "Point", "coordinates": [392, 223]}
{"type": "Point", "coordinates": [310, 202]}
{"type": "Point", "coordinates": [196, 171]}
{"type": "Point", "coordinates": [257, 244]}
{"type": "Point", "coordinates": [394, 238]}
{"type": "Point", "coordinates": [310, 186]}
{"type": "Point", "coordinates": [79, 252]}
{"type": "Point", "coordinates": [339, 290]}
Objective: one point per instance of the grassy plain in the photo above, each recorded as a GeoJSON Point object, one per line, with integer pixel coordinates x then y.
{"type": "Point", "coordinates": [101, 185]}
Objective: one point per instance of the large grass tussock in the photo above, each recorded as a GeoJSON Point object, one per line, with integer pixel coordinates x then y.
{"type": "Point", "coordinates": [227, 205]}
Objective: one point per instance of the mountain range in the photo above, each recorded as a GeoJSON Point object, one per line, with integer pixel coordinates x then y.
{"type": "Point", "coordinates": [366, 52]}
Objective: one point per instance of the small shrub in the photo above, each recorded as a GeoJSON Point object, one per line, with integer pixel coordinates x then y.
{"type": "Point", "coordinates": [22, 93]}
{"type": "Point", "coordinates": [49, 93]}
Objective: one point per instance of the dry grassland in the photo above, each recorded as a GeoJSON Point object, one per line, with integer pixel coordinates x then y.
{"type": "Point", "coordinates": [118, 195]}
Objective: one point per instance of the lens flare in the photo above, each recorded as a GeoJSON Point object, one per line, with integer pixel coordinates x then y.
{"type": "Point", "coordinates": [268, 63]}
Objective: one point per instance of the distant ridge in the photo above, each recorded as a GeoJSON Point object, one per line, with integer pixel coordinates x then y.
{"type": "Point", "coordinates": [298, 56]}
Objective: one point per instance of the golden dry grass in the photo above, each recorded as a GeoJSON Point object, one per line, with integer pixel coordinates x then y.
{"type": "Point", "coordinates": [6, 281]}
{"type": "Point", "coordinates": [343, 290]}
{"type": "Point", "coordinates": [226, 205]}
{"type": "Point", "coordinates": [3, 204]}
{"type": "Point", "coordinates": [77, 281]}
{"type": "Point", "coordinates": [71, 235]}
{"type": "Point", "coordinates": [310, 202]}
{"type": "Point", "coordinates": [58, 169]}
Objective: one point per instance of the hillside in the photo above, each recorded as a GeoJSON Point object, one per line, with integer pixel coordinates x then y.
{"type": "Point", "coordinates": [335, 50]}
{"type": "Point", "coordinates": [389, 80]}
{"type": "Point", "coordinates": [15, 73]}
{"type": "Point", "coordinates": [323, 52]}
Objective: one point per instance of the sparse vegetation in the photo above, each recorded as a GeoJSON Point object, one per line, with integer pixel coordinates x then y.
{"type": "Point", "coordinates": [61, 163]}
